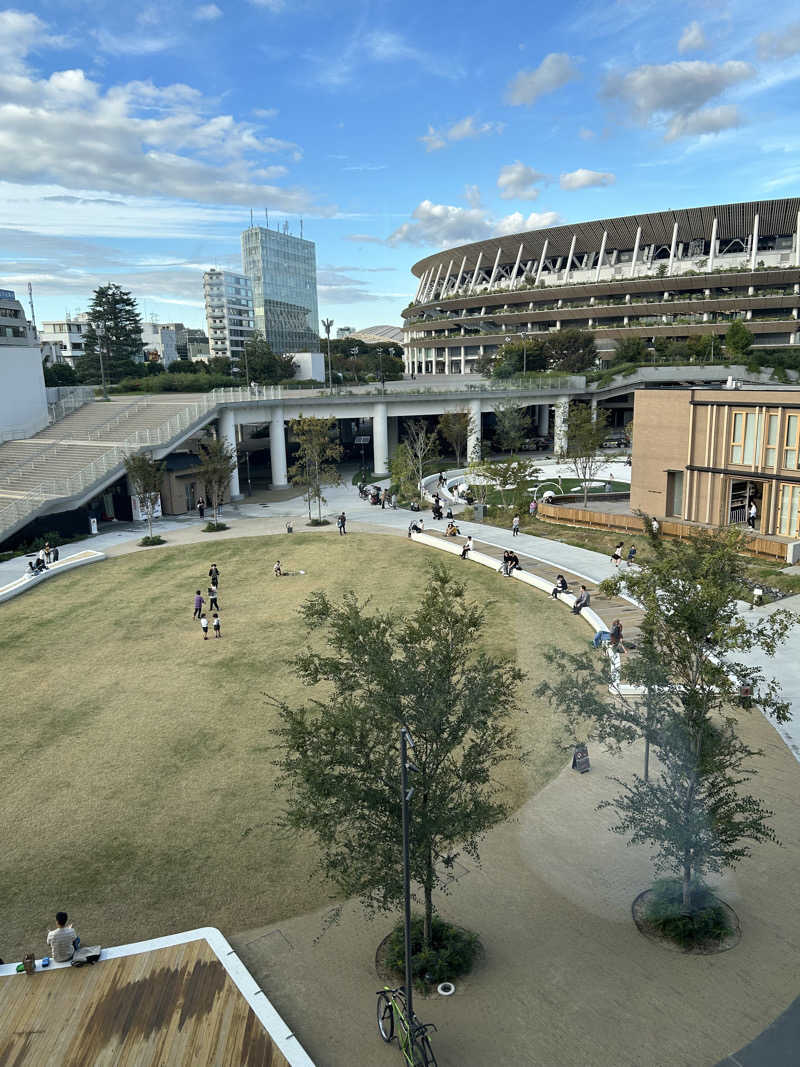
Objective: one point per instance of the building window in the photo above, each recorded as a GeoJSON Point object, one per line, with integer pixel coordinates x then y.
{"type": "Point", "coordinates": [746, 437]}
{"type": "Point", "coordinates": [770, 452]}
{"type": "Point", "coordinates": [789, 502]}
{"type": "Point", "coordinates": [790, 446]}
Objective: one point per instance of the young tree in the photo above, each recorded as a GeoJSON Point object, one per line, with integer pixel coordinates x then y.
{"type": "Point", "coordinates": [584, 439]}
{"type": "Point", "coordinates": [630, 350]}
{"type": "Point", "coordinates": [113, 339]}
{"type": "Point", "coordinates": [510, 477]}
{"type": "Point", "coordinates": [571, 350]}
{"type": "Point", "coordinates": [403, 474]}
{"type": "Point", "coordinates": [513, 424]}
{"type": "Point", "coordinates": [423, 448]}
{"type": "Point", "coordinates": [263, 365]}
{"type": "Point", "coordinates": [145, 475]}
{"type": "Point", "coordinates": [316, 458]}
{"type": "Point", "coordinates": [59, 374]}
{"type": "Point", "coordinates": [218, 461]}
{"type": "Point", "coordinates": [339, 752]}
{"type": "Point", "coordinates": [738, 341]}
{"type": "Point", "coordinates": [454, 427]}
{"type": "Point", "coordinates": [514, 357]}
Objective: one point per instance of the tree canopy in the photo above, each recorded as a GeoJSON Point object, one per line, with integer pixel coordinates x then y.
{"type": "Point", "coordinates": [262, 364]}
{"type": "Point", "coordinates": [316, 458]}
{"type": "Point", "coordinates": [113, 334]}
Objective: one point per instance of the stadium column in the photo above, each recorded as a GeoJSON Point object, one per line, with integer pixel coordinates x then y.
{"type": "Point", "coordinates": [601, 256]}
{"type": "Point", "coordinates": [672, 248]}
{"type": "Point", "coordinates": [562, 417]}
{"type": "Point", "coordinates": [474, 431]}
{"type": "Point", "coordinates": [380, 439]}
{"type": "Point", "coordinates": [754, 250]}
{"type": "Point", "coordinates": [543, 422]}
{"type": "Point", "coordinates": [635, 256]}
{"type": "Point", "coordinates": [227, 433]}
{"type": "Point", "coordinates": [712, 249]}
{"type": "Point", "coordinates": [277, 449]}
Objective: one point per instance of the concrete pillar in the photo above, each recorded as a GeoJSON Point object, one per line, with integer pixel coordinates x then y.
{"type": "Point", "coordinates": [543, 419]}
{"type": "Point", "coordinates": [380, 439]}
{"type": "Point", "coordinates": [393, 424]}
{"type": "Point", "coordinates": [277, 449]}
{"type": "Point", "coordinates": [754, 251]}
{"type": "Point", "coordinates": [460, 275]}
{"type": "Point", "coordinates": [513, 277]}
{"type": "Point", "coordinates": [474, 435]}
{"type": "Point", "coordinates": [542, 258]}
{"type": "Point", "coordinates": [443, 291]}
{"type": "Point", "coordinates": [227, 433]}
{"type": "Point", "coordinates": [600, 257]}
{"type": "Point", "coordinates": [635, 252]}
{"type": "Point", "coordinates": [672, 248]}
{"type": "Point", "coordinates": [475, 273]}
{"type": "Point", "coordinates": [562, 417]}
{"type": "Point", "coordinates": [569, 257]}
{"type": "Point", "coordinates": [463, 360]}
{"type": "Point", "coordinates": [712, 252]}
{"type": "Point", "coordinates": [593, 403]}
{"type": "Point", "coordinates": [496, 265]}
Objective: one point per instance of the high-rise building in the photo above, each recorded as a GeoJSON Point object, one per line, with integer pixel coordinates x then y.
{"type": "Point", "coordinates": [283, 273]}
{"type": "Point", "coordinates": [229, 314]}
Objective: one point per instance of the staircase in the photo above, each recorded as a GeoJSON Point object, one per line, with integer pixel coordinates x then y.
{"type": "Point", "coordinates": [68, 463]}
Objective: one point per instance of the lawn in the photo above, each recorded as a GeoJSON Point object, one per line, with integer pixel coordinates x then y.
{"type": "Point", "coordinates": [139, 791]}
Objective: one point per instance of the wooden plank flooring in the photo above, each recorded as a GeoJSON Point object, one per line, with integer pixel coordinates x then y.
{"type": "Point", "coordinates": [175, 1006]}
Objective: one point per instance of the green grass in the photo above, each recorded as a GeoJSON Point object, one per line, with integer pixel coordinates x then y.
{"type": "Point", "coordinates": [136, 758]}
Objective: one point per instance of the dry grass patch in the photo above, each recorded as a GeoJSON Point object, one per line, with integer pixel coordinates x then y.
{"type": "Point", "coordinates": [135, 757]}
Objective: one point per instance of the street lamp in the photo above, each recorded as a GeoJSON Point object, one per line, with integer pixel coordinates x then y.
{"type": "Point", "coordinates": [326, 325]}
{"type": "Point", "coordinates": [380, 363]}
{"type": "Point", "coordinates": [524, 337]}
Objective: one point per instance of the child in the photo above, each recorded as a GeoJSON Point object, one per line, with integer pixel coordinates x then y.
{"type": "Point", "coordinates": [515, 526]}
{"type": "Point", "coordinates": [198, 604]}
{"type": "Point", "coordinates": [204, 624]}
{"type": "Point", "coordinates": [276, 570]}
{"type": "Point", "coordinates": [631, 555]}
{"type": "Point", "coordinates": [213, 604]}
{"type": "Point", "coordinates": [217, 631]}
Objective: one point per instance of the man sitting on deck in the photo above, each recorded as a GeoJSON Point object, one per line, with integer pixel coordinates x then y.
{"type": "Point", "coordinates": [61, 941]}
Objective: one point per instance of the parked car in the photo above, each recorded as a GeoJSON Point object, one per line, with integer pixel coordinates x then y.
{"type": "Point", "coordinates": [537, 444]}
{"type": "Point", "coordinates": [617, 439]}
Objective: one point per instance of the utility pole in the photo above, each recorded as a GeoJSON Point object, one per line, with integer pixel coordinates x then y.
{"type": "Point", "coordinates": [404, 741]}
{"type": "Point", "coordinates": [326, 325]}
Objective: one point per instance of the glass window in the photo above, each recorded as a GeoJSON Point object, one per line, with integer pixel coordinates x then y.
{"type": "Point", "coordinates": [737, 439]}
{"type": "Point", "coordinates": [790, 447]}
{"type": "Point", "coordinates": [770, 451]}
{"type": "Point", "coordinates": [749, 450]}
{"type": "Point", "coordinates": [787, 514]}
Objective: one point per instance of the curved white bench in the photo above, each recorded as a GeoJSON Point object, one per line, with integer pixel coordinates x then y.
{"type": "Point", "coordinates": [68, 563]}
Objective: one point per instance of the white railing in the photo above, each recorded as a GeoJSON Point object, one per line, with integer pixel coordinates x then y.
{"type": "Point", "coordinates": [76, 399]}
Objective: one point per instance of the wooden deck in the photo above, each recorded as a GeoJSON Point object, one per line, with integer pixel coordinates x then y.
{"type": "Point", "coordinates": [171, 1006]}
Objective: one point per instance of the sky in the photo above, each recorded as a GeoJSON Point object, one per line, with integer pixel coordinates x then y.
{"type": "Point", "coordinates": [135, 139]}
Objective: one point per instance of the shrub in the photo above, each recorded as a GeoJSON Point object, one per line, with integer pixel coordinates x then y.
{"type": "Point", "coordinates": [452, 953]}
{"type": "Point", "coordinates": [707, 921]}
{"type": "Point", "coordinates": [154, 540]}
{"type": "Point", "coordinates": [318, 522]}
{"type": "Point", "coordinates": [215, 527]}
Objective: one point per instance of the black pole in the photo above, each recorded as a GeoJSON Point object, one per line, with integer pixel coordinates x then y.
{"type": "Point", "coordinates": [406, 874]}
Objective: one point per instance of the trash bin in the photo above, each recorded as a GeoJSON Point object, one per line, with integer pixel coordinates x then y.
{"type": "Point", "coordinates": [478, 510]}
{"type": "Point", "coordinates": [93, 525]}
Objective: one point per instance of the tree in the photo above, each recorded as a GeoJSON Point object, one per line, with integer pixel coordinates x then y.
{"type": "Point", "coordinates": [510, 477]}
{"type": "Point", "coordinates": [218, 461]}
{"type": "Point", "coordinates": [220, 365]}
{"type": "Point", "coordinates": [112, 346]}
{"type": "Point", "coordinates": [145, 475]}
{"type": "Point", "coordinates": [188, 366]}
{"type": "Point", "coordinates": [514, 357]}
{"type": "Point", "coordinates": [401, 465]}
{"type": "Point", "coordinates": [339, 752]}
{"type": "Point", "coordinates": [738, 341]}
{"type": "Point", "coordinates": [263, 365]}
{"type": "Point", "coordinates": [317, 456]}
{"type": "Point", "coordinates": [585, 434]}
{"type": "Point", "coordinates": [59, 374]}
{"type": "Point", "coordinates": [454, 427]}
{"type": "Point", "coordinates": [422, 447]}
{"type": "Point", "coordinates": [571, 351]}
{"type": "Point", "coordinates": [702, 348]}
{"type": "Point", "coordinates": [630, 350]}
{"type": "Point", "coordinates": [513, 424]}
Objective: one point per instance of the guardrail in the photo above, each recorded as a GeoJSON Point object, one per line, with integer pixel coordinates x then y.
{"type": "Point", "coordinates": [76, 399]}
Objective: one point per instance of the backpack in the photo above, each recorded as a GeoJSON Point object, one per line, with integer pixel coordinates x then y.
{"type": "Point", "coordinates": [81, 956]}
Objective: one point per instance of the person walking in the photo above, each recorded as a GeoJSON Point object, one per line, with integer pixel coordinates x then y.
{"type": "Point", "coordinates": [276, 570]}
{"type": "Point", "coordinates": [198, 604]}
{"type": "Point", "coordinates": [631, 556]}
{"type": "Point", "coordinates": [752, 515]}
{"type": "Point", "coordinates": [394, 501]}
{"type": "Point", "coordinates": [384, 495]}
{"type": "Point", "coordinates": [213, 574]}
{"type": "Point", "coordinates": [201, 508]}
{"type": "Point", "coordinates": [617, 556]}
{"type": "Point", "coordinates": [204, 625]}
{"type": "Point", "coordinates": [515, 526]}
{"type": "Point", "coordinates": [341, 522]}
{"type": "Point", "coordinates": [532, 509]}
{"type": "Point", "coordinates": [213, 603]}
{"type": "Point", "coordinates": [217, 630]}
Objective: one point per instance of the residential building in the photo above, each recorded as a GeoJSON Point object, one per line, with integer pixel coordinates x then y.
{"type": "Point", "coordinates": [63, 342]}
{"type": "Point", "coordinates": [668, 274]}
{"type": "Point", "coordinates": [198, 351]}
{"type": "Point", "coordinates": [23, 399]}
{"type": "Point", "coordinates": [283, 274]}
{"type": "Point", "coordinates": [229, 314]}
{"type": "Point", "coordinates": [705, 454]}
{"type": "Point", "coordinates": [159, 342]}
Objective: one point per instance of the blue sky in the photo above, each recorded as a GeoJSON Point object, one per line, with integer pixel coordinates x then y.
{"type": "Point", "coordinates": [135, 138]}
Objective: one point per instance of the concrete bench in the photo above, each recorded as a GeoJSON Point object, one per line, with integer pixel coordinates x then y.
{"type": "Point", "coordinates": [67, 563]}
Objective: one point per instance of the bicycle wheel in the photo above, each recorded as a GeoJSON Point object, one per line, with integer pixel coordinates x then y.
{"type": "Point", "coordinates": [385, 1017]}
{"type": "Point", "coordinates": [423, 1053]}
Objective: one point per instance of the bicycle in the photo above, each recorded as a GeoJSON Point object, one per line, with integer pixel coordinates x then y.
{"type": "Point", "coordinates": [412, 1035]}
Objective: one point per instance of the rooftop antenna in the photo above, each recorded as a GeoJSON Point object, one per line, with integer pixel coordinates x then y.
{"type": "Point", "coordinates": [251, 218]}
{"type": "Point", "coordinates": [285, 225]}
{"type": "Point", "coordinates": [266, 214]}
{"type": "Point", "coordinates": [33, 313]}
{"type": "Point", "coordinates": [301, 227]}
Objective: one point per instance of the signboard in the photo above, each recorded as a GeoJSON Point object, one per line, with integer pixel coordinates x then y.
{"type": "Point", "coordinates": [141, 516]}
{"type": "Point", "coordinates": [580, 759]}
{"type": "Point", "coordinates": [361, 440]}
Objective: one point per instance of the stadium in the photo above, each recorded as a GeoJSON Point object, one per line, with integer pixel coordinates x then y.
{"type": "Point", "coordinates": [669, 274]}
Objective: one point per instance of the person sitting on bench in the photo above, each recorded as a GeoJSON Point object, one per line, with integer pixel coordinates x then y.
{"type": "Point", "coordinates": [582, 601]}
{"type": "Point", "coordinates": [559, 587]}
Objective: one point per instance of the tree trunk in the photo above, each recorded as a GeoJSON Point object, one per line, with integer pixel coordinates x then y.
{"type": "Point", "coordinates": [427, 932]}
{"type": "Point", "coordinates": [646, 758]}
{"type": "Point", "coordinates": [687, 888]}
{"type": "Point", "coordinates": [149, 513]}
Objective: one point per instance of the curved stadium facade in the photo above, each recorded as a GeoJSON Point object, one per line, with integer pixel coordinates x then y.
{"type": "Point", "coordinates": [672, 274]}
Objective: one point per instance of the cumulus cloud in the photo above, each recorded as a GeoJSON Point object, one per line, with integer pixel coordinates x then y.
{"type": "Point", "coordinates": [692, 39]}
{"type": "Point", "coordinates": [780, 45]}
{"type": "Point", "coordinates": [445, 225]}
{"type": "Point", "coordinates": [135, 139]}
{"type": "Point", "coordinates": [585, 179]}
{"type": "Point", "coordinates": [462, 130]}
{"type": "Point", "coordinates": [707, 120]}
{"type": "Point", "coordinates": [206, 13]}
{"type": "Point", "coordinates": [21, 33]}
{"type": "Point", "coordinates": [517, 181]}
{"type": "Point", "coordinates": [555, 70]}
{"type": "Point", "coordinates": [674, 94]}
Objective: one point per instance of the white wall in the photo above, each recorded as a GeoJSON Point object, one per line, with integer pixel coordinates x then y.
{"type": "Point", "coordinates": [309, 365]}
{"type": "Point", "coordinates": [23, 401]}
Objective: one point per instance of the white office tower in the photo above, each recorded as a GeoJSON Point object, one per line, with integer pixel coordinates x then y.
{"type": "Point", "coordinates": [229, 315]}
{"type": "Point", "coordinates": [23, 400]}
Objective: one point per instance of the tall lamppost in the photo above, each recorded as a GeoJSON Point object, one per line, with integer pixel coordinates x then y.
{"type": "Point", "coordinates": [326, 325]}
{"type": "Point", "coordinates": [354, 352]}
{"type": "Point", "coordinates": [380, 364]}
{"type": "Point", "coordinates": [405, 767]}
{"type": "Point", "coordinates": [524, 337]}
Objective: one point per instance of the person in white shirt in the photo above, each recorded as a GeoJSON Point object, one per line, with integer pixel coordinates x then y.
{"type": "Point", "coordinates": [62, 941]}
{"type": "Point", "coordinates": [752, 515]}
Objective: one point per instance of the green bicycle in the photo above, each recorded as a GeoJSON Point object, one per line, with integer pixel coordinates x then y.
{"type": "Point", "coordinates": [412, 1035]}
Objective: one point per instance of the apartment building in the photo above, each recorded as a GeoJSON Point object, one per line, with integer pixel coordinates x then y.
{"type": "Point", "coordinates": [229, 315]}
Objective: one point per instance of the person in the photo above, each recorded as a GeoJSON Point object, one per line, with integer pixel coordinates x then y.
{"type": "Point", "coordinates": [201, 508]}
{"type": "Point", "coordinates": [54, 553]}
{"type": "Point", "coordinates": [452, 530]}
{"type": "Point", "coordinates": [341, 523]}
{"type": "Point", "coordinates": [752, 515]}
{"type": "Point", "coordinates": [394, 501]}
{"type": "Point", "coordinates": [505, 566]}
{"type": "Point", "coordinates": [213, 574]}
{"type": "Point", "coordinates": [655, 527]}
{"type": "Point", "coordinates": [276, 570]}
{"type": "Point", "coordinates": [615, 638]}
{"type": "Point", "coordinates": [204, 625]}
{"type": "Point", "coordinates": [48, 553]}
{"type": "Point", "coordinates": [198, 604]}
{"type": "Point", "coordinates": [213, 603]}
{"type": "Point", "coordinates": [41, 560]}
{"type": "Point", "coordinates": [617, 556]}
{"type": "Point", "coordinates": [62, 941]}
{"type": "Point", "coordinates": [441, 478]}
{"type": "Point", "coordinates": [384, 495]}
{"type": "Point", "coordinates": [217, 630]}
{"type": "Point", "coordinates": [559, 587]}
{"type": "Point", "coordinates": [532, 509]}
{"type": "Point", "coordinates": [631, 555]}
{"type": "Point", "coordinates": [582, 602]}
{"type": "Point", "coordinates": [513, 563]}
{"type": "Point", "coordinates": [515, 526]}
{"type": "Point", "coordinates": [449, 513]}
{"type": "Point", "coordinates": [602, 637]}
{"type": "Point", "coordinates": [466, 547]}
{"type": "Point", "coordinates": [416, 526]}
{"type": "Point", "coordinates": [627, 461]}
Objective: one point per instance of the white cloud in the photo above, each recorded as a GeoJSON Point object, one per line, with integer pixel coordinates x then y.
{"type": "Point", "coordinates": [585, 179]}
{"type": "Point", "coordinates": [265, 112]}
{"type": "Point", "coordinates": [21, 33]}
{"type": "Point", "coordinates": [674, 94]}
{"type": "Point", "coordinates": [472, 195]}
{"type": "Point", "coordinates": [692, 39]}
{"type": "Point", "coordinates": [207, 13]}
{"type": "Point", "coordinates": [517, 181]}
{"type": "Point", "coordinates": [586, 134]}
{"type": "Point", "coordinates": [555, 70]}
{"type": "Point", "coordinates": [462, 130]}
{"type": "Point", "coordinates": [780, 45]}
{"type": "Point", "coordinates": [134, 44]}
{"type": "Point", "coordinates": [271, 5]}
{"type": "Point", "coordinates": [706, 120]}
{"type": "Point", "coordinates": [335, 68]}
{"type": "Point", "coordinates": [445, 225]}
